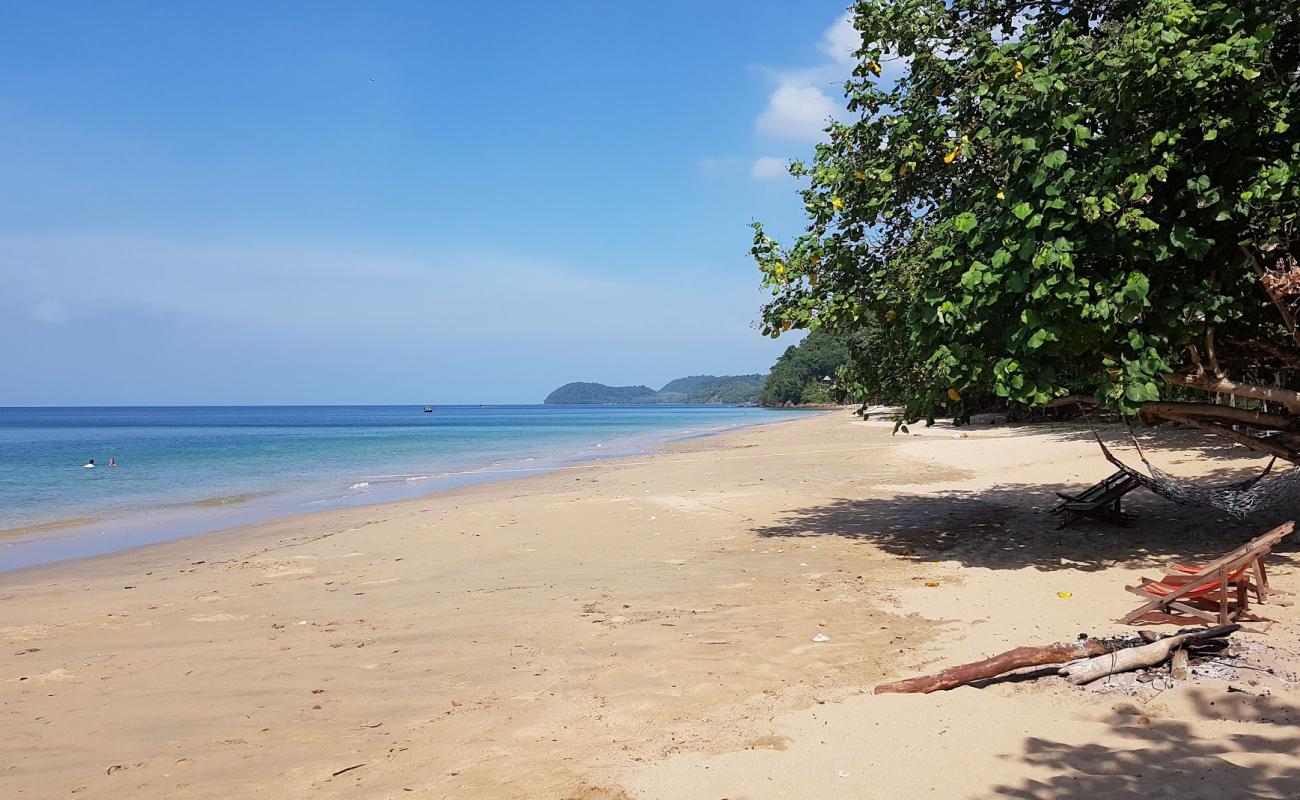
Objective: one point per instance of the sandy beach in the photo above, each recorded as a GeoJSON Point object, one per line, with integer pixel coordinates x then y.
{"type": "Point", "coordinates": [643, 628]}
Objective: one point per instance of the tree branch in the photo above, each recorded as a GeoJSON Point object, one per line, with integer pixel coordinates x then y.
{"type": "Point", "coordinates": [1286, 397]}
{"type": "Point", "coordinates": [1241, 416]}
{"type": "Point", "coordinates": [1196, 359]}
{"type": "Point", "coordinates": [1211, 355]}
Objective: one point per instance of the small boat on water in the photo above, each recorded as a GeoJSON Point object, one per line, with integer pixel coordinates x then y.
{"type": "Point", "coordinates": [428, 409]}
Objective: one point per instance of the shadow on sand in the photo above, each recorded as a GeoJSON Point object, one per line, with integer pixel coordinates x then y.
{"type": "Point", "coordinates": [1010, 526]}
{"type": "Point", "coordinates": [1165, 758]}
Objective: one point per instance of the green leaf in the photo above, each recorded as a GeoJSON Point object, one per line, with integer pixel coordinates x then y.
{"type": "Point", "coordinates": [1022, 210]}
{"type": "Point", "coordinates": [965, 222]}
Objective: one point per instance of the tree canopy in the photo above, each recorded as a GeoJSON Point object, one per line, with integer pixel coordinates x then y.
{"type": "Point", "coordinates": [1035, 197]}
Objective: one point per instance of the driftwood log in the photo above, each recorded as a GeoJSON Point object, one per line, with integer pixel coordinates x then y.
{"type": "Point", "coordinates": [1132, 658]}
{"type": "Point", "coordinates": [997, 665]}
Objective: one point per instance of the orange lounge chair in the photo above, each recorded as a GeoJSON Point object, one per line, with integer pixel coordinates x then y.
{"type": "Point", "coordinates": [1215, 592]}
{"type": "Point", "coordinates": [1179, 573]}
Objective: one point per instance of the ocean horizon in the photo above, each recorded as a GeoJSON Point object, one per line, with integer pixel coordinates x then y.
{"type": "Point", "coordinates": [185, 470]}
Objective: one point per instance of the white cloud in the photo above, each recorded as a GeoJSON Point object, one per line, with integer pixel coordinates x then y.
{"type": "Point", "coordinates": [799, 112]}
{"type": "Point", "coordinates": [767, 168]}
{"type": "Point", "coordinates": [804, 101]}
{"type": "Point", "coordinates": [841, 40]}
{"type": "Point", "coordinates": [51, 312]}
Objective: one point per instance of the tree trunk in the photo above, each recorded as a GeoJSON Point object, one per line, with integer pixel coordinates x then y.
{"type": "Point", "coordinates": [997, 665]}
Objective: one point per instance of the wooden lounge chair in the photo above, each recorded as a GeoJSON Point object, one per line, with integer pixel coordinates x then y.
{"type": "Point", "coordinates": [1178, 573]}
{"type": "Point", "coordinates": [1215, 592]}
{"type": "Point", "coordinates": [1099, 501]}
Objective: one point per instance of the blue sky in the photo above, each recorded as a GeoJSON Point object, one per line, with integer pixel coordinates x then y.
{"type": "Point", "coordinates": [351, 203]}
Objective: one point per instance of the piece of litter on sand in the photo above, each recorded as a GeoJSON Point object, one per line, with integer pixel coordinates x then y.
{"type": "Point", "coordinates": [652, 519]}
{"type": "Point", "coordinates": [932, 584]}
{"type": "Point", "coordinates": [844, 773]}
{"type": "Point", "coordinates": [821, 637]}
{"type": "Point", "coordinates": [1065, 595]}
{"type": "Point", "coordinates": [803, 563]}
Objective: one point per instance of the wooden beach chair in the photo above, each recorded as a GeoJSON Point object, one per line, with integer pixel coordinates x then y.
{"type": "Point", "coordinates": [1215, 592]}
{"type": "Point", "coordinates": [1178, 573]}
{"type": "Point", "coordinates": [1099, 501]}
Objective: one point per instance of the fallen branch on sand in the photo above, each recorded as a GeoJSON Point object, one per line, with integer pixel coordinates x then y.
{"type": "Point", "coordinates": [1081, 672]}
{"type": "Point", "coordinates": [1085, 660]}
{"type": "Point", "coordinates": [997, 665]}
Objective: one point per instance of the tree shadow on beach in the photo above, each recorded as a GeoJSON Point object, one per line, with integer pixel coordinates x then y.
{"type": "Point", "coordinates": [1010, 526]}
{"type": "Point", "coordinates": [1167, 758]}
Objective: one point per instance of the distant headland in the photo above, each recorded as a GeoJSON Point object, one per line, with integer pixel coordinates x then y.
{"type": "Point", "coordinates": [724, 389]}
{"type": "Point", "coordinates": [802, 376]}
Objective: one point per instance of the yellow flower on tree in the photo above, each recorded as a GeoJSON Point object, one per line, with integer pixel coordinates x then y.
{"type": "Point", "coordinates": [838, 203]}
{"type": "Point", "coordinates": [1020, 69]}
{"type": "Point", "coordinates": [874, 67]}
{"type": "Point", "coordinates": [951, 157]}
{"type": "Point", "coordinates": [953, 395]}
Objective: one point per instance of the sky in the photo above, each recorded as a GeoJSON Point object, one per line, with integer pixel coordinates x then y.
{"type": "Point", "coordinates": [229, 203]}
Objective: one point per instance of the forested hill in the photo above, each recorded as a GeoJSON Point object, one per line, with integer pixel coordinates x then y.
{"type": "Point", "coordinates": [731, 389]}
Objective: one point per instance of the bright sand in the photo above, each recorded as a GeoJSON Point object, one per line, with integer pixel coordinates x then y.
{"type": "Point", "coordinates": [644, 628]}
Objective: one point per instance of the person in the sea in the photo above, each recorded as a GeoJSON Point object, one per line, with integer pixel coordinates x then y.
{"type": "Point", "coordinates": [112, 462]}
{"type": "Point", "coordinates": [89, 464]}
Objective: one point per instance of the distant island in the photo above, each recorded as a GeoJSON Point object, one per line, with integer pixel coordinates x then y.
{"type": "Point", "coordinates": [724, 389]}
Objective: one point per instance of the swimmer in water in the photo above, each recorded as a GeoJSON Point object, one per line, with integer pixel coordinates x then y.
{"type": "Point", "coordinates": [89, 464]}
{"type": "Point", "coordinates": [112, 462]}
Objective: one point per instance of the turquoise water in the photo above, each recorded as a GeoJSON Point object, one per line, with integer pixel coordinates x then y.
{"type": "Point", "coordinates": [189, 470]}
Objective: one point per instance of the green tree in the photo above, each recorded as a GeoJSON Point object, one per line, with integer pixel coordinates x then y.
{"type": "Point", "coordinates": [1038, 195]}
{"type": "Point", "coordinates": [799, 375]}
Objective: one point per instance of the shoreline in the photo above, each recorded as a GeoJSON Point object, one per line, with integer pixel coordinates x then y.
{"type": "Point", "coordinates": [640, 629]}
{"type": "Point", "coordinates": [75, 539]}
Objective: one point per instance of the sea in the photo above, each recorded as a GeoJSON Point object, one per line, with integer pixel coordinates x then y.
{"type": "Point", "coordinates": [182, 471]}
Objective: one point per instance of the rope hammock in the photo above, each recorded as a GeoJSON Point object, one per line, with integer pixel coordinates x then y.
{"type": "Point", "coordinates": [1237, 499]}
